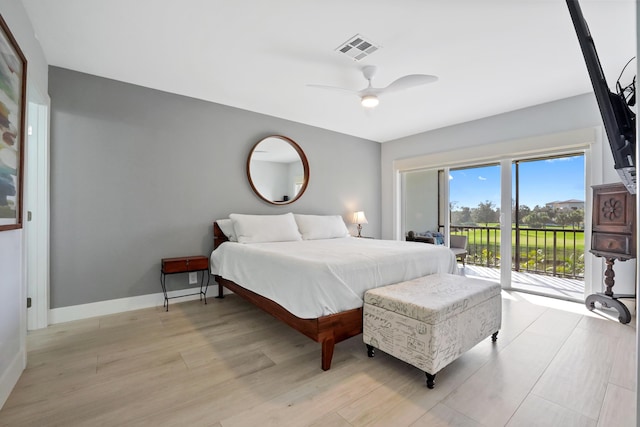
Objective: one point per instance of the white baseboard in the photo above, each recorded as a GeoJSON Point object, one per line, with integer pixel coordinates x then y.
{"type": "Point", "coordinates": [11, 376]}
{"type": "Point", "coordinates": [101, 308]}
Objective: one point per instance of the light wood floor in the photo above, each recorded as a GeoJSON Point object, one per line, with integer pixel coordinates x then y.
{"type": "Point", "coordinates": [228, 364]}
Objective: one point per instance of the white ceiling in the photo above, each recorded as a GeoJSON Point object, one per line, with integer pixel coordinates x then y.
{"type": "Point", "coordinates": [490, 56]}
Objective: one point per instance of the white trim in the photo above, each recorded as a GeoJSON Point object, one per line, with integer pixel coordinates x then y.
{"type": "Point", "coordinates": [445, 205]}
{"type": "Point", "coordinates": [558, 143]}
{"type": "Point", "coordinates": [593, 271]}
{"type": "Point", "coordinates": [37, 201]}
{"type": "Point", "coordinates": [11, 376]}
{"type": "Point", "coordinates": [120, 305]}
{"type": "Point", "coordinates": [397, 207]}
{"type": "Point", "coordinates": [402, 218]}
{"type": "Point", "coordinates": [506, 222]}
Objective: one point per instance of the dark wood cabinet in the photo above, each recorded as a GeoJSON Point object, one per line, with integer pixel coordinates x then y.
{"type": "Point", "coordinates": [614, 222]}
{"type": "Point", "coordinates": [613, 237]}
{"type": "Point", "coordinates": [612, 245]}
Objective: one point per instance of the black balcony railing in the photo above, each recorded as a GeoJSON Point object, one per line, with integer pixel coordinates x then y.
{"type": "Point", "coordinates": [548, 251]}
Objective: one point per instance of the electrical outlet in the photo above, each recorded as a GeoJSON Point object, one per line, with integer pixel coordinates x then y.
{"type": "Point", "coordinates": [193, 277]}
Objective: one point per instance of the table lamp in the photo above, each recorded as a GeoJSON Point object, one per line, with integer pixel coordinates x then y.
{"type": "Point", "coordinates": [359, 218]}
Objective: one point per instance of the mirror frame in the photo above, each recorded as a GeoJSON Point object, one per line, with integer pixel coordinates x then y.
{"type": "Point", "coordinates": [305, 166]}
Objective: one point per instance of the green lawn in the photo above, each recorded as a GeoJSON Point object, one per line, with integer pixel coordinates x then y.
{"type": "Point", "coordinates": [536, 249]}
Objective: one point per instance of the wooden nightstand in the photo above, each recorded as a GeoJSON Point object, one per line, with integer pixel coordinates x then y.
{"type": "Point", "coordinates": [185, 265]}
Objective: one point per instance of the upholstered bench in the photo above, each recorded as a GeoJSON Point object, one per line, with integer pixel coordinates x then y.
{"type": "Point", "coordinates": [430, 321]}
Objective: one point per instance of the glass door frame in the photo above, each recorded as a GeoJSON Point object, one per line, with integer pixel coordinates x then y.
{"type": "Point", "coordinates": [590, 140]}
{"type": "Point", "coordinates": [506, 192]}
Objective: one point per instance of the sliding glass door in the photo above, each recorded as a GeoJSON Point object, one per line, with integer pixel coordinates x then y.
{"type": "Point", "coordinates": [523, 219]}
{"type": "Point", "coordinates": [548, 225]}
{"type": "Point", "coordinates": [474, 202]}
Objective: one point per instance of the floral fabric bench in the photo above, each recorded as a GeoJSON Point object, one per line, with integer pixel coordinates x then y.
{"type": "Point", "coordinates": [430, 321]}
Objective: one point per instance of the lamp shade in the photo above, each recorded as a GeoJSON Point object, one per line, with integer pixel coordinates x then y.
{"type": "Point", "coordinates": [359, 218]}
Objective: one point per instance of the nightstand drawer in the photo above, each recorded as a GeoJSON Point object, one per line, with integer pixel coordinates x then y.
{"type": "Point", "coordinates": [184, 264]}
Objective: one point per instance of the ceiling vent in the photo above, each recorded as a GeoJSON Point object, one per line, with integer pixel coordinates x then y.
{"type": "Point", "coordinates": [358, 47]}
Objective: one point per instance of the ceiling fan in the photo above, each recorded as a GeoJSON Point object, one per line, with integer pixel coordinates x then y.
{"type": "Point", "coordinates": [369, 95]}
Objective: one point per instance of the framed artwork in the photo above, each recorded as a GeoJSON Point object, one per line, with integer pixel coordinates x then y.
{"type": "Point", "coordinates": [13, 87]}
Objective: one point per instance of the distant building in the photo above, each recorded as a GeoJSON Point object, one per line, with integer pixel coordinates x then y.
{"type": "Point", "coordinates": [564, 205]}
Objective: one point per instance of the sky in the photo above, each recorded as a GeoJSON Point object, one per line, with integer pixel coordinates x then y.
{"type": "Point", "coordinates": [541, 182]}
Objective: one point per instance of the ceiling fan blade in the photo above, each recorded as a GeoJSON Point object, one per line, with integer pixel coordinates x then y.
{"type": "Point", "coordinates": [335, 89]}
{"type": "Point", "coordinates": [406, 82]}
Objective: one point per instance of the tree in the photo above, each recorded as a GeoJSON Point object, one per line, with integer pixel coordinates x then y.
{"type": "Point", "coordinates": [551, 213]}
{"type": "Point", "coordinates": [485, 213]}
{"type": "Point", "coordinates": [576, 217]}
{"type": "Point", "coordinates": [459, 217]}
{"type": "Point", "coordinates": [455, 217]}
{"type": "Point", "coordinates": [523, 211]}
{"type": "Point", "coordinates": [465, 215]}
{"type": "Point", "coordinates": [537, 219]}
{"type": "Point", "coordinates": [563, 219]}
{"type": "Point", "coordinates": [570, 217]}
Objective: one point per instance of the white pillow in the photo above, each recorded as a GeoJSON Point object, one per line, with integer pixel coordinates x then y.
{"type": "Point", "coordinates": [265, 228]}
{"type": "Point", "coordinates": [314, 227]}
{"type": "Point", "coordinates": [226, 225]}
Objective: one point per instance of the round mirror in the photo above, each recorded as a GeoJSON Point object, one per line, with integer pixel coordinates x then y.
{"type": "Point", "coordinates": [278, 170]}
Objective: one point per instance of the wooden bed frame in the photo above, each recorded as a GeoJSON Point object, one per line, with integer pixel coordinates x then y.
{"type": "Point", "coordinates": [327, 330]}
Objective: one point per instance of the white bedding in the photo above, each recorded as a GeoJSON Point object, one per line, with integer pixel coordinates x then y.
{"type": "Point", "coordinates": [314, 278]}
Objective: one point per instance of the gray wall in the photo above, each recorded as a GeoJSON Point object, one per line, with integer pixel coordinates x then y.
{"type": "Point", "coordinates": [138, 175]}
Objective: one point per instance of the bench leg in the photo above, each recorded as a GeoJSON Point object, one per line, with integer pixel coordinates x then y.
{"type": "Point", "coordinates": [494, 337]}
{"type": "Point", "coordinates": [431, 380]}
{"type": "Point", "coordinates": [371, 350]}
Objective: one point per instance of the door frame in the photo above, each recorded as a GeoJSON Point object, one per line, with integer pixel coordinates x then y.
{"type": "Point", "coordinates": [37, 208]}
{"type": "Point", "coordinates": [587, 139]}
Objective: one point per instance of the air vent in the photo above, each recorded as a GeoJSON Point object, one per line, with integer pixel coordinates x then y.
{"type": "Point", "coordinates": [358, 47]}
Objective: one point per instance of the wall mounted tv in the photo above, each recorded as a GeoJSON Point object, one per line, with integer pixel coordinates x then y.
{"type": "Point", "coordinates": [619, 121]}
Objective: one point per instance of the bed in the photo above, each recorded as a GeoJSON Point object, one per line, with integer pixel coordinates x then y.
{"type": "Point", "coordinates": [327, 305]}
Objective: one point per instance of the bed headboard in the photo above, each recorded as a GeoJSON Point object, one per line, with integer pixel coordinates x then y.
{"type": "Point", "coordinates": [218, 236]}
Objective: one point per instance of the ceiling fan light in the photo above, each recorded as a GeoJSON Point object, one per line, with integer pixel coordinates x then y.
{"type": "Point", "coordinates": [369, 101]}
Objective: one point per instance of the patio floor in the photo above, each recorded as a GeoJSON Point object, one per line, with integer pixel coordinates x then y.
{"type": "Point", "coordinates": [568, 289]}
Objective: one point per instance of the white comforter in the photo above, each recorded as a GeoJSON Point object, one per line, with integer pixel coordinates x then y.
{"type": "Point", "coordinates": [313, 278]}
